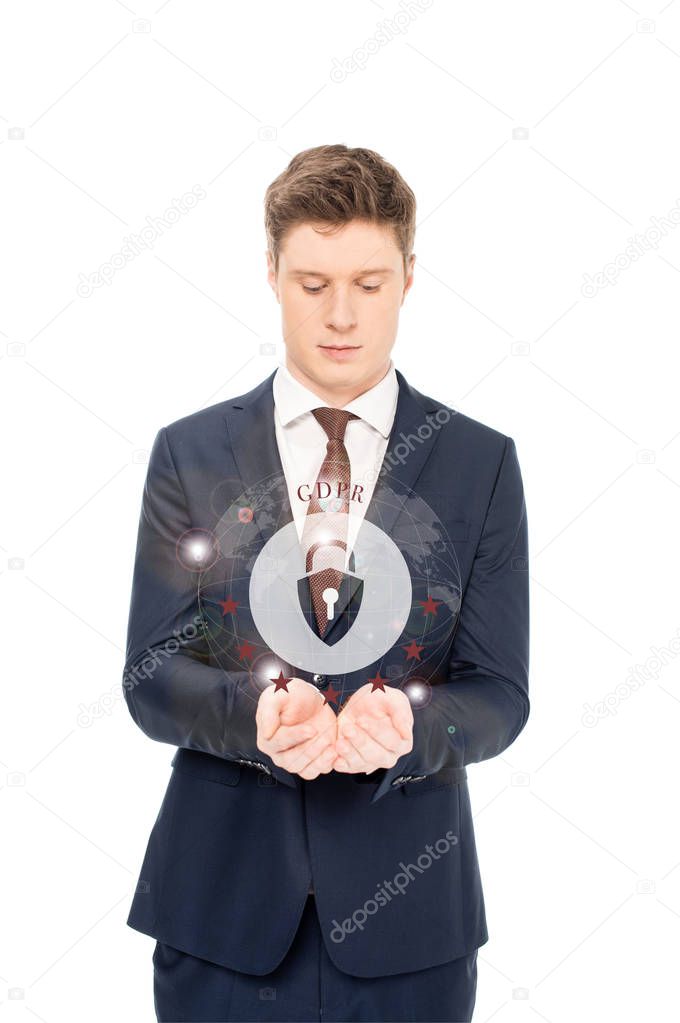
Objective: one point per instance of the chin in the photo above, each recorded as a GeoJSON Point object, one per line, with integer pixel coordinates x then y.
{"type": "Point", "coordinates": [339, 369]}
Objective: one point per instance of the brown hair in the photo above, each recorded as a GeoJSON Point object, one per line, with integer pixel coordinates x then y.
{"type": "Point", "coordinates": [332, 185]}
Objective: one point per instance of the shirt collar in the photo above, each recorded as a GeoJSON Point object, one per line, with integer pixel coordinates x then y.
{"type": "Point", "coordinates": [376, 406]}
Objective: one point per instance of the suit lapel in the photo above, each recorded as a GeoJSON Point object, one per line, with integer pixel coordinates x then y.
{"type": "Point", "coordinates": [250, 421]}
{"type": "Point", "coordinates": [401, 468]}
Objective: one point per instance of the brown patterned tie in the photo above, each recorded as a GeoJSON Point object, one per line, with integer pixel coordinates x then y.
{"type": "Point", "coordinates": [317, 536]}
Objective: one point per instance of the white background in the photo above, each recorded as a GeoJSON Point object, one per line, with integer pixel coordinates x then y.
{"type": "Point", "coordinates": [102, 125]}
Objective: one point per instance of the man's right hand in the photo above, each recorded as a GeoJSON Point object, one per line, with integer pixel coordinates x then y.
{"type": "Point", "coordinates": [297, 729]}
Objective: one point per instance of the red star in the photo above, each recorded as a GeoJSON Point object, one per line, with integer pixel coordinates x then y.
{"type": "Point", "coordinates": [281, 682]}
{"type": "Point", "coordinates": [378, 682]}
{"type": "Point", "coordinates": [228, 606]}
{"type": "Point", "coordinates": [331, 695]}
{"type": "Point", "coordinates": [413, 650]}
{"type": "Point", "coordinates": [430, 606]}
{"type": "Point", "coordinates": [245, 650]}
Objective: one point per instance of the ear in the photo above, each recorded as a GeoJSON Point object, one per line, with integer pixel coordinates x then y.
{"type": "Point", "coordinates": [409, 276]}
{"type": "Point", "coordinates": [271, 274]}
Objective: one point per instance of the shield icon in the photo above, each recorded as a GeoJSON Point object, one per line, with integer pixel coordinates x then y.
{"type": "Point", "coordinates": [342, 592]}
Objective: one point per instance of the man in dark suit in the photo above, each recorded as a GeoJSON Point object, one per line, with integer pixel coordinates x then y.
{"type": "Point", "coordinates": [314, 854]}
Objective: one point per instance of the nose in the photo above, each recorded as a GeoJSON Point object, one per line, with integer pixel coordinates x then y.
{"type": "Point", "coordinates": [340, 313]}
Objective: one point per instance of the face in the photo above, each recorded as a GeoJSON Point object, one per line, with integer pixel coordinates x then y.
{"type": "Point", "coordinates": [340, 296]}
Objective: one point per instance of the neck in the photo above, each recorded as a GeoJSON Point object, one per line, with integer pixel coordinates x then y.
{"type": "Point", "coordinates": [336, 397]}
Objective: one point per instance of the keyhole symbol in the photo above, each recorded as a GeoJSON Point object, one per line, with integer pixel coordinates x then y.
{"type": "Point", "coordinates": [330, 595]}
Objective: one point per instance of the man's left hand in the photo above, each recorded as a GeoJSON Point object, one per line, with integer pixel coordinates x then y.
{"type": "Point", "coordinates": [375, 728]}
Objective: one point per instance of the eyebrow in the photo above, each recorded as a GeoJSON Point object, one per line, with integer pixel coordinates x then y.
{"type": "Point", "coordinates": [359, 273]}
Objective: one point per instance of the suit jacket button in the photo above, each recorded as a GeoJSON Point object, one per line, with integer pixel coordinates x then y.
{"type": "Point", "coordinates": [319, 681]}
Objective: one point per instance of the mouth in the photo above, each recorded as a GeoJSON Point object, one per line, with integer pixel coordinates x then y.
{"type": "Point", "coordinates": [340, 353]}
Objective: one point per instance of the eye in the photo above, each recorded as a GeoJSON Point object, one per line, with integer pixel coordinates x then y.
{"type": "Point", "coordinates": [367, 288]}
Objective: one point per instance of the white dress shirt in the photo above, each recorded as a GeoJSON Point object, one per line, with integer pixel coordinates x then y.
{"type": "Point", "coordinates": [302, 440]}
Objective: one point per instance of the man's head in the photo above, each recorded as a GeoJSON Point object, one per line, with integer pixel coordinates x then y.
{"type": "Point", "coordinates": [340, 228]}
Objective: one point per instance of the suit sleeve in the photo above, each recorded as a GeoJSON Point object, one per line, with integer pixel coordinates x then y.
{"type": "Point", "coordinates": [484, 704]}
{"type": "Point", "coordinates": [172, 692]}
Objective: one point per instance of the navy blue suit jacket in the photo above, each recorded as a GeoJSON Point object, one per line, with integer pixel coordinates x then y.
{"type": "Point", "coordinates": [237, 839]}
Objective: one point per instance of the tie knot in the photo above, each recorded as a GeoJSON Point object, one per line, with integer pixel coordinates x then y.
{"type": "Point", "coordinates": [333, 420]}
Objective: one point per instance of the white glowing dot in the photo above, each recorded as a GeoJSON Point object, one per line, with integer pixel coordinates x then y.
{"type": "Point", "coordinates": [198, 549]}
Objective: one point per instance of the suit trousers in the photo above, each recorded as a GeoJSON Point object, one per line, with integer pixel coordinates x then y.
{"type": "Point", "coordinates": [307, 986]}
